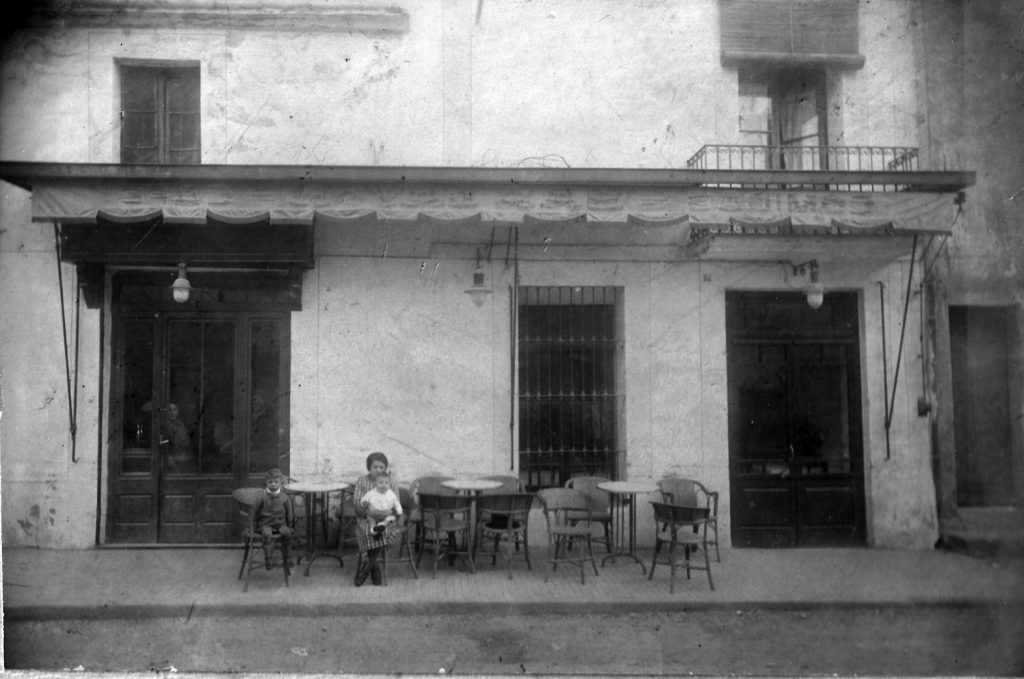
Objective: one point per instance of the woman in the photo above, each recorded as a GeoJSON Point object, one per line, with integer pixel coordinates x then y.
{"type": "Point", "coordinates": [371, 545]}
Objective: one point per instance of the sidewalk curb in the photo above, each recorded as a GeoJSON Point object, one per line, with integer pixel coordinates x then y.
{"type": "Point", "coordinates": [375, 609]}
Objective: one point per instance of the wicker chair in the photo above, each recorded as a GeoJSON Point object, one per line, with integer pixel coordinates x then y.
{"type": "Point", "coordinates": [503, 518]}
{"type": "Point", "coordinates": [676, 490]}
{"type": "Point", "coordinates": [567, 513]}
{"type": "Point", "coordinates": [686, 527]}
{"type": "Point", "coordinates": [600, 502]}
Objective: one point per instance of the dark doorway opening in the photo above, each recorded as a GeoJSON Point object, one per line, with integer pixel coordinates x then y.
{"type": "Point", "coordinates": [795, 450]}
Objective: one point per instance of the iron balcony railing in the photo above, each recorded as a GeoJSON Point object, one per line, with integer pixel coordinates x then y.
{"type": "Point", "coordinates": [827, 161]}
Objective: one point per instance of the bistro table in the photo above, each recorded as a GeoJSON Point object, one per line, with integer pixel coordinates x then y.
{"type": "Point", "coordinates": [473, 488]}
{"type": "Point", "coordinates": [316, 490]}
{"type": "Point", "coordinates": [623, 495]}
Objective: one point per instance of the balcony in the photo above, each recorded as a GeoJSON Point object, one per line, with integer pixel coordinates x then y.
{"type": "Point", "coordinates": [815, 168]}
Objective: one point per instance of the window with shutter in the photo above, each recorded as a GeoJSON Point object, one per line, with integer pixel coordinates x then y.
{"type": "Point", "coordinates": [160, 114]}
{"type": "Point", "coordinates": [790, 32]}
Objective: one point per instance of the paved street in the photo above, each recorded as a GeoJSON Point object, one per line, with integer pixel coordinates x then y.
{"type": "Point", "coordinates": [824, 611]}
{"type": "Point", "coordinates": [926, 640]}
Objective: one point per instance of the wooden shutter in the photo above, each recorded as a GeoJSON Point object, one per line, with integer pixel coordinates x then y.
{"type": "Point", "coordinates": [182, 101]}
{"type": "Point", "coordinates": [790, 32]}
{"type": "Point", "coordinates": [140, 116]}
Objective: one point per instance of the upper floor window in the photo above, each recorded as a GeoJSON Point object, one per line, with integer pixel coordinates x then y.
{"type": "Point", "coordinates": [160, 114]}
{"type": "Point", "coordinates": [784, 110]}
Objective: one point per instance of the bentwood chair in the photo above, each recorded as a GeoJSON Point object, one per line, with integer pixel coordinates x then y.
{"type": "Point", "coordinates": [677, 490]}
{"type": "Point", "coordinates": [430, 485]}
{"type": "Point", "coordinates": [687, 527]}
{"type": "Point", "coordinates": [252, 538]}
{"type": "Point", "coordinates": [600, 504]}
{"type": "Point", "coordinates": [402, 546]}
{"type": "Point", "coordinates": [444, 519]}
{"type": "Point", "coordinates": [503, 518]}
{"type": "Point", "coordinates": [567, 514]}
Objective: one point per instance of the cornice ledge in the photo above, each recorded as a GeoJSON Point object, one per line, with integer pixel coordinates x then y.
{"type": "Point", "coordinates": [213, 14]}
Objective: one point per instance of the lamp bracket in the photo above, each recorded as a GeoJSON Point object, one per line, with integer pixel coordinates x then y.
{"type": "Point", "coordinates": [804, 268]}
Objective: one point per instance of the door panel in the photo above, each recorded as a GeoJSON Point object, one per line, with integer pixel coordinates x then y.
{"type": "Point", "coordinates": [980, 355]}
{"type": "Point", "coordinates": [132, 516]}
{"type": "Point", "coordinates": [186, 377]}
{"type": "Point", "coordinates": [795, 470]}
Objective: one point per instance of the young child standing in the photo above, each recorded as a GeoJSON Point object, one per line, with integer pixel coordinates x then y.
{"type": "Point", "coordinates": [382, 503]}
{"type": "Point", "coordinates": [273, 512]}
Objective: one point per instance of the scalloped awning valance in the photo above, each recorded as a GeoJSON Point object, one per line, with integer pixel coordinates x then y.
{"type": "Point", "coordinates": [718, 210]}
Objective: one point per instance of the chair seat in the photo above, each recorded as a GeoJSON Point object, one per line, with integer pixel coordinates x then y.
{"type": "Point", "coordinates": [448, 525]}
{"type": "Point", "coordinates": [501, 523]}
{"type": "Point", "coordinates": [571, 531]}
{"type": "Point", "coordinates": [596, 517]}
{"type": "Point", "coordinates": [685, 539]}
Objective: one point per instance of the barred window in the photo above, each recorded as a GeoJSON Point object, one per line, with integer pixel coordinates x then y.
{"type": "Point", "coordinates": [570, 400]}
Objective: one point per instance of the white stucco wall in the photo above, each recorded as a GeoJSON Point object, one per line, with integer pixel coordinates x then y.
{"type": "Point", "coordinates": [49, 499]}
{"type": "Point", "coordinates": [388, 352]}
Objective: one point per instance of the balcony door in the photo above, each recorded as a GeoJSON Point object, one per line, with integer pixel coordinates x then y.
{"type": "Point", "coordinates": [199, 407]}
{"type": "Point", "coordinates": [783, 112]}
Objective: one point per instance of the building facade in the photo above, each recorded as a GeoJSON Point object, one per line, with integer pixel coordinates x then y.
{"type": "Point", "coordinates": [755, 243]}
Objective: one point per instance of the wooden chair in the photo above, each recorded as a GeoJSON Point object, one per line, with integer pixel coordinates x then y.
{"type": "Point", "coordinates": [676, 490]}
{"type": "Point", "coordinates": [687, 527]}
{"type": "Point", "coordinates": [444, 519]}
{"type": "Point", "coordinates": [404, 543]}
{"type": "Point", "coordinates": [503, 518]}
{"type": "Point", "coordinates": [252, 538]}
{"type": "Point", "coordinates": [567, 514]}
{"type": "Point", "coordinates": [425, 484]}
{"type": "Point", "coordinates": [600, 502]}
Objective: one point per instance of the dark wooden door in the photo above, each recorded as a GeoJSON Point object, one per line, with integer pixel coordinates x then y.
{"type": "Point", "coordinates": [198, 406]}
{"type": "Point", "coordinates": [980, 353]}
{"type": "Point", "coordinates": [794, 447]}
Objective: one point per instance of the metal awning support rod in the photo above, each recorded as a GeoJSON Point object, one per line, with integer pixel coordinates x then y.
{"type": "Point", "coordinates": [513, 301]}
{"type": "Point", "coordinates": [72, 397]}
{"type": "Point", "coordinates": [891, 405]}
{"type": "Point", "coordinates": [885, 364]}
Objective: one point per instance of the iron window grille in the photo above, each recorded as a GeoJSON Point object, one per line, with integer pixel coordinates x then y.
{"type": "Point", "coordinates": [570, 401]}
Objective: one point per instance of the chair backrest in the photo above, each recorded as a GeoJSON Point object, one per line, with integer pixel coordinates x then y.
{"type": "Point", "coordinates": [435, 507]}
{"type": "Point", "coordinates": [601, 500]}
{"type": "Point", "coordinates": [246, 498]}
{"type": "Point", "coordinates": [408, 504]}
{"type": "Point", "coordinates": [507, 504]}
{"type": "Point", "coordinates": [431, 485]}
{"type": "Point", "coordinates": [558, 503]}
{"type": "Point", "coordinates": [407, 500]}
{"type": "Point", "coordinates": [679, 515]}
{"type": "Point", "coordinates": [509, 484]}
{"type": "Point", "coordinates": [677, 490]}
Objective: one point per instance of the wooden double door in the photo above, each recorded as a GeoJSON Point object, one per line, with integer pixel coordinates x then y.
{"type": "Point", "coordinates": [199, 407]}
{"type": "Point", "coordinates": [795, 452]}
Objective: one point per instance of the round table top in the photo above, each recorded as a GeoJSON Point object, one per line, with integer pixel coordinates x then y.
{"type": "Point", "coordinates": [471, 484]}
{"type": "Point", "coordinates": [627, 487]}
{"type": "Point", "coordinates": [316, 484]}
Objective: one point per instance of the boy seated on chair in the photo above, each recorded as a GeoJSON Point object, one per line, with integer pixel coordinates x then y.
{"type": "Point", "coordinates": [273, 513]}
{"type": "Point", "coordinates": [382, 504]}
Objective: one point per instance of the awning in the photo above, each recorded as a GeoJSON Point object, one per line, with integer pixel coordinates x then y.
{"type": "Point", "coordinates": [603, 200]}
